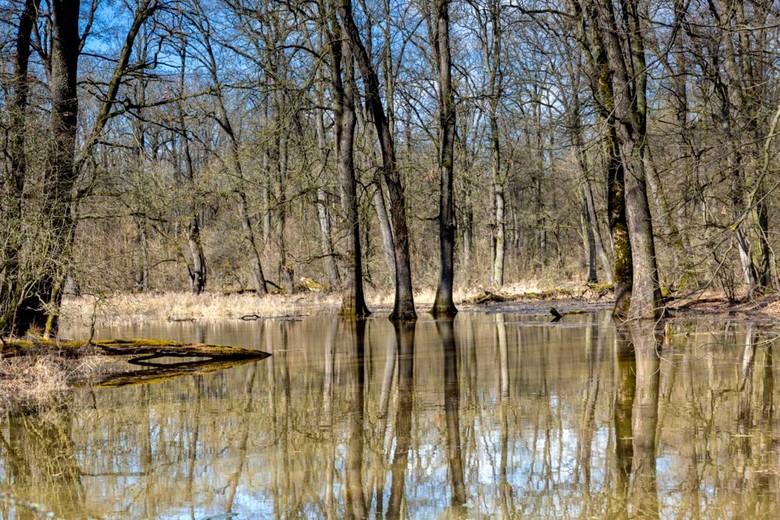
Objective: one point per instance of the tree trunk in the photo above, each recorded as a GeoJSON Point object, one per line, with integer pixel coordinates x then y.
{"type": "Point", "coordinates": [628, 74]}
{"type": "Point", "coordinates": [403, 308]}
{"type": "Point", "coordinates": [384, 226]}
{"type": "Point", "coordinates": [601, 85]}
{"type": "Point", "coordinates": [444, 304]}
{"type": "Point", "coordinates": [595, 241]}
{"type": "Point", "coordinates": [196, 266]}
{"type": "Point", "coordinates": [323, 213]}
{"type": "Point", "coordinates": [353, 302]}
{"type": "Point", "coordinates": [11, 208]}
{"type": "Point", "coordinates": [64, 55]}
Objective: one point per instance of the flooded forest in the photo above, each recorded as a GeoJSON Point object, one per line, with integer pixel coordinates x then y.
{"type": "Point", "coordinates": [393, 159]}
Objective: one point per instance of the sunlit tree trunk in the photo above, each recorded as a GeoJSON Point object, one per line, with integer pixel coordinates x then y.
{"type": "Point", "coordinates": [323, 211]}
{"type": "Point", "coordinates": [444, 304]}
{"type": "Point", "coordinates": [197, 260]}
{"type": "Point", "coordinates": [353, 301]}
{"type": "Point", "coordinates": [61, 157]}
{"type": "Point", "coordinates": [591, 40]}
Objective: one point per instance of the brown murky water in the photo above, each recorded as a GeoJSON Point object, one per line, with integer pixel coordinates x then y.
{"type": "Point", "coordinates": [492, 416]}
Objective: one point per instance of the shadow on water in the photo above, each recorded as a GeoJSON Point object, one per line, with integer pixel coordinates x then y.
{"type": "Point", "coordinates": [482, 416]}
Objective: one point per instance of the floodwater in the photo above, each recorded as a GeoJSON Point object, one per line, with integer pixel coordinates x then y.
{"type": "Point", "coordinates": [492, 416]}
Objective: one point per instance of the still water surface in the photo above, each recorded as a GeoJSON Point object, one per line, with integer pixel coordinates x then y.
{"type": "Point", "coordinates": [490, 416]}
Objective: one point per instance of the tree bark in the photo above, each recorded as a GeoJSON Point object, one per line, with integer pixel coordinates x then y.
{"type": "Point", "coordinates": [61, 175]}
{"type": "Point", "coordinates": [353, 302]}
{"type": "Point", "coordinates": [444, 304]}
{"type": "Point", "coordinates": [593, 45]}
{"type": "Point", "coordinates": [323, 213]}
{"type": "Point", "coordinates": [197, 260]}
{"type": "Point", "coordinates": [625, 57]}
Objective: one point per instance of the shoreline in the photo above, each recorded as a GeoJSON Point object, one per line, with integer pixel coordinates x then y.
{"type": "Point", "coordinates": [126, 309]}
{"type": "Point", "coordinates": [41, 375]}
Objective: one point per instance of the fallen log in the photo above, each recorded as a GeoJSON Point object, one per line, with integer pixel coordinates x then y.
{"type": "Point", "coordinates": [144, 349]}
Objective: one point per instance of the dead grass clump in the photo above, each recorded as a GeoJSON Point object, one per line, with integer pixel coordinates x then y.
{"type": "Point", "coordinates": [134, 308]}
{"type": "Point", "coordinates": [32, 379]}
{"type": "Point", "coordinates": [38, 379]}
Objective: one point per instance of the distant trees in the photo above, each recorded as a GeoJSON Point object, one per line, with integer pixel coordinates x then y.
{"type": "Point", "coordinates": [233, 146]}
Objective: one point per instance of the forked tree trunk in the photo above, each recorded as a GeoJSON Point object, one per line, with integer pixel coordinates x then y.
{"type": "Point", "coordinates": [353, 302]}
{"type": "Point", "coordinates": [628, 74]}
{"type": "Point", "coordinates": [403, 308]}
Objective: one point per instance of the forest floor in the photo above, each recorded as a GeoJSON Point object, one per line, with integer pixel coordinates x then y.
{"type": "Point", "coordinates": [42, 375]}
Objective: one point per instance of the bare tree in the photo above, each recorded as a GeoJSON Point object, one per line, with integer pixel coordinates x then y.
{"type": "Point", "coordinates": [343, 84]}
{"type": "Point", "coordinates": [444, 305]}
{"type": "Point", "coordinates": [403, 308]}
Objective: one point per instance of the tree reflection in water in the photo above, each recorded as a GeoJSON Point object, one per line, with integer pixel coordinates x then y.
{"type": "Point", "coordinates": [483, 416]}
{"type": "Point", "coordinates": [452, 410]}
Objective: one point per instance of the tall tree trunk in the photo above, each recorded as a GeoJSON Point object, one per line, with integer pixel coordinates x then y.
{"type": "Point", "coordinates": [323, 213]}
{"type": "Point", "coordinates": [628, 73]}
{"type": "Point", "coordinates": [61, 175]}
{"type": "Point", "coordinates": [593, 45]}
{"type": "Point", "coordinates": [353, 302]}
{"type": "Point", "coordinates": [40, 307]}
{"type": "Point", "coordinates": [491, 50]}
{"type": "Point", "coordinates": [403, 308]}
{"type": "Point", "coordinates": [11, 208]}
{"type": "Point", "coordinates": [196, 266]}
{"type": "Point", "coordinates": [595, 241]}
{"type": "Point", "coordinates": [444, 304]}
{"type": "Point", "coordinates": [384, 226]}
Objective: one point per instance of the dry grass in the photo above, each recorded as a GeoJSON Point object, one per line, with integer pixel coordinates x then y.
{"type": "Point", "coordinates": [36, 379]}
{"type": "Point", "coordinates": [134, 308]}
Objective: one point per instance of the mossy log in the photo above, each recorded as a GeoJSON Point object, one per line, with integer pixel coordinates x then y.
{"type": "Point", "coordinates": [145, 349]}
{"type": "Point", "coordinates": [154, 356]}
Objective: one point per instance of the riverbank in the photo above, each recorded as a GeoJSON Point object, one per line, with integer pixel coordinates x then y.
{"type": "Point", "coordinates": [122, 309]}
{"type": "Point", "coordinates": [44, 373]}
{"type": "Point", "coordinates": [172, 307]}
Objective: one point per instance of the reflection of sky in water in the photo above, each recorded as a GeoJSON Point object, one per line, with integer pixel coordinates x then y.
{"type": "Point", "coordinates": [183, 448]}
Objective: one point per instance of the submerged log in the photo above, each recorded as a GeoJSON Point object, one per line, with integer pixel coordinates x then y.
{"type": "Point", "coordinates": [163, 373]}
